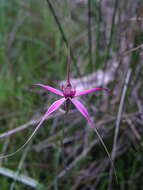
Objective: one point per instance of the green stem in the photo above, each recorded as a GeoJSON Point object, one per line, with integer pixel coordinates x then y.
{"type": "Point", "coordinates": [63, 36]}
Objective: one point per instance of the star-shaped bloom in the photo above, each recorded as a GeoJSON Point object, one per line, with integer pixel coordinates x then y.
{"type": "Point", "coordinates": [68, 93]}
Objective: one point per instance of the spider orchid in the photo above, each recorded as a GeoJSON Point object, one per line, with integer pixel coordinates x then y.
{"type": "Point", "coordinates": [68, 94]}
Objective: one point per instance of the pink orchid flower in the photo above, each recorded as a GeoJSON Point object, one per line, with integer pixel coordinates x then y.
{"type": "Point", "coordinates": [69, 94]}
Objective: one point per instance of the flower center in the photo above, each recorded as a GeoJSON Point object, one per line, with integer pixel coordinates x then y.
{"type": "Point", "coordinates": [68, 91]}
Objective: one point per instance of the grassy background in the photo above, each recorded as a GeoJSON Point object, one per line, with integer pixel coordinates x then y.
{"type": "Point", "coordinates": [32, 50]}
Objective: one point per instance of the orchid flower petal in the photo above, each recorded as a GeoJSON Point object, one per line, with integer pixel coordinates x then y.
{"type": "Point", "coordinates": [81, 108]}
{"type": "Point", "coordinates": [89, 91]}
{"type": "Point", "coordinates": [51, 109]}
{"type": "Point", "coordinates": [54, 106]}
{"type": "Point", "coordinates": [54, 90]}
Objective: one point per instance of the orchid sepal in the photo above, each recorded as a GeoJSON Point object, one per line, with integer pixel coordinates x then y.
{"type": "Point", "coordinates": [51, 89]}
{"type": "Point", "coordinates": [89, 91]}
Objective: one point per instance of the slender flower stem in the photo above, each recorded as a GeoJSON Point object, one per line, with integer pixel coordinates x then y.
{"type": "Point", "coordinates": [63, 36]}
{"type": "Point", "coordinates": [69, 67]}
{"type": "Point", "coordinates": [62, 144]}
